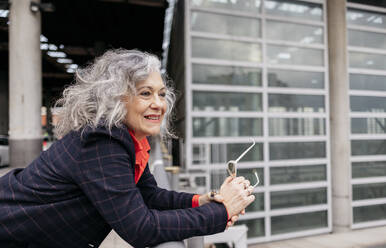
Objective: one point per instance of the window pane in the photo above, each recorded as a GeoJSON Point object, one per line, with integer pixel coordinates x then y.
{"type": "Point", "coordinates": [257, 205]}
{"type": "Point", "coordinates": [226, 75]}
{"type": "Point", "coordinates": [225, 24]}
{"type": "Point", "coordinates": [295, 79]}
{"type": "Point", "coordinates": [368, 104]}
{"type": "Point", "coordinates": [217, 177]}
{"type": "Point", "coordinates": [297, 174]}
{"type": "Point", "coordinates": [296, 126]}
{"type": "Point", "coordinates": [297, 150]}
{"type": "Point", "coordinates": [239, 5]}
{"type": "Point", "coordinates": [298, 198]}
{"type": "Point", "coordinates": [222, 153]}
{"type": "Point", "coordinates": [367, 82]}
{"type": "Point", "coordinates": [249, 174]}
{"type": "Point", "coordinates": [226, 49]}
{"type": "Point", "coordinates": [298, 222]}
{"type": "Point", "coordinates": [226, 101]}
{"type": "Point", "coordinates": [294, 55]}
{"type": "Point", "coordinates": [304, 34]}
{"type": "Point", "coordinates": [368, 147]}
{"type": "Point", "coordinates": [223, 127]}
{"type": "Point", "coordinates": [368, 125]}
{"type": "Point", "coordinates": [367, 60]}
{"type": "Point", "coordinates": [369, 213]}
{"type": "Point", "coordinates": [200, 154]}
{"type": "Point", "coordinates": [369, 191]}
{"type": "Point", "coordinates": [369, 169]}
{"type": "Point", "coordinates": [256, 227]}
{"type": "Point", "coordinates": [366, 39]}
{"type": "Point", "coordinates": [295, 103]}
{"type": "Point", "coordinates": [366, 18]}
{"type": "Point", "coordinates": [292, 8]}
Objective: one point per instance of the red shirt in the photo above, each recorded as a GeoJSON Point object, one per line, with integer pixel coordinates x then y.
{"type": "Point", "coordinates": [142, 149]}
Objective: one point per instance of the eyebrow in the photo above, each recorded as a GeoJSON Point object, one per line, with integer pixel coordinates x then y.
{"type": "Point", "coordinates": [149, 87]}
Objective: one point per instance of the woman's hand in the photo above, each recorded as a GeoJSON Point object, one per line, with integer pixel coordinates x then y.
{"type": "Point", "coordinates": [236, 194]}
{"type": "Point", "coordinates": [206, 198]}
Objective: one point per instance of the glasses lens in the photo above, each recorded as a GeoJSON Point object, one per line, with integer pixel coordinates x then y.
{"type": "Point", "coordinates": [232, 169]}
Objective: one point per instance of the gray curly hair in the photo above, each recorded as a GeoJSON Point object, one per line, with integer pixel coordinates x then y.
{"type": "Point", "coordinates": [96, 97]}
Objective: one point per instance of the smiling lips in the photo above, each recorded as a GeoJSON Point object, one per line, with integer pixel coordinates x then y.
{"type": "Point", "coordinates": [154, 118]}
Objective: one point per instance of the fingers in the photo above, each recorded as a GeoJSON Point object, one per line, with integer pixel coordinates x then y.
{"type": "Point", "coordinates": [232, 221]}
{"type": "Point", "coordinates": [242, 211]}
{"type": "Point", "coordinates": [250, 189]}
{"type": "Point", "coordinates": [250, 199]}
{"type": "Point", "coordinates": [228, 179]}
{"type": "Point", "coordinates": [238, 180]}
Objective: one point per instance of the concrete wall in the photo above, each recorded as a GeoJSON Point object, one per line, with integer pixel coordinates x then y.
{"type": "Point", "coordinates": [4, 98]}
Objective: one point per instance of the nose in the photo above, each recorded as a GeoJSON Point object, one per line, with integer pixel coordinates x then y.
{"type": "Point", "coordinates": [156, 102]}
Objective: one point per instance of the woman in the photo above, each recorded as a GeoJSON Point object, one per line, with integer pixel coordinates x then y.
{"type": "Point", "coordinates": [96, 178]}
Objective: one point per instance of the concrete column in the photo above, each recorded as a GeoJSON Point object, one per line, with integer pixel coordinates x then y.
{"type": "Point", "coordinates": [25, 83]}
{"type": "Point", "coordinates": [339, 116]}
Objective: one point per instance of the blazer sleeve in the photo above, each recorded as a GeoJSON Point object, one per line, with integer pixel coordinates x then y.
{"type": "Point", "coordinates": [161, 199]}
{"type": "Point", "coordinates": [106, 177]}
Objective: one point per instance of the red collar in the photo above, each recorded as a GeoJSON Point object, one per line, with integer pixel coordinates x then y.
{"type": "Point", "coordinates": [141, 155]}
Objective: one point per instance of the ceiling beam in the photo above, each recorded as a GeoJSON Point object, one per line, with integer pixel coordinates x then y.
{"type": "Point", "coordinates": [149, 3]}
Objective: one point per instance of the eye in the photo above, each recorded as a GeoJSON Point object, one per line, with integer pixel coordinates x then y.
{"type": "Point", "coordinates": [145, 93]}
{"type": "Point", "coordinates": [162, 94]}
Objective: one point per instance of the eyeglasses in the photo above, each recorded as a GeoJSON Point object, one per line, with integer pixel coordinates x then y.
{"type": "Point", "coordinates": [232, 165]}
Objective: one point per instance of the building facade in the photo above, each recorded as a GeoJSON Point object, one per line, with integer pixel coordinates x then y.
{"type": "Point", "coordinates": [261, 70]}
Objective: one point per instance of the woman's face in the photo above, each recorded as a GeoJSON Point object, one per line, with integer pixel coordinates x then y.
{"type": "Point", "coordinates": [146, 109]}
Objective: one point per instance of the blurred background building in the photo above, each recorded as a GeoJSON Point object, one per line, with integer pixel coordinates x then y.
{"type": "Point", "coordinates": [305, 79]}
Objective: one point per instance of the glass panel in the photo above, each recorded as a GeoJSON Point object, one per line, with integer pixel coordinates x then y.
{"type": "Point", "coordinates": [368, 125]}
{"type": "Point", "coordinates": [366, 39]}
{"type": "Point", "coordinates": [226, 75]}
{"type": "Point", "coordinates": [226, 101]}
{"type": "Point", "coordinates": [225, 49]}
{"type": "Point", "coordinates": [369, 169]}
{"type": "Point", "coordinates": [298, 222]}
{"type": "Point", "coordinates": [256, 227]}
{"type": "Point", "coordinates": [298, 198]}
{"type": "Point", "coordinates": [225, 24]}
{"type": "Point", "coordinates": [239, 5]}
{"type": "Point", "coordinates": [296, 126]}
{"type": "Point", "coordinates": [366, 18]}
{"type": "Point", "coordinates": [227, 127]}
{"type": "Point", "coordinates": [369, 213]}
{"type": "Point", "coordinates": [295, 103]}
{"type": "Point", "coordinates": [292, 8]}
{"type": "Point", "coordinates": [249, 174]}
{"type": "Point", "coordinates": [294, 55]}
{"type": "Point", "coordinates": [295, 79]}
{"type": "Point", "coordinates": [368, 147]}
{"type": "Point", "coordinates": [367, 82]}
{"type": "Point", "coordinates": [298, 174]}
{"type": "Point", "coordinates": [297, 150]}
{"type": "Point", "coordinates": [367, 60]}
{"type": "Point", "coordinates": [369, 191]}
{"type": "Point", "coordinates": [217, 177]}
{"type": "Point", "coordinates": [304, 34]}
{"type": "Point", "coordinates": [257, 205]}
{"type": "Point", "coordinates": [222, 153]}
{"type": "Point", "coordinates": [368, 104]}
{"type": "Point", "coordinates": [200, 154]}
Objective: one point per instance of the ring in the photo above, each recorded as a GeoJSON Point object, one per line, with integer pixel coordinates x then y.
{"type": "Point", "coordinates": [246, 185]}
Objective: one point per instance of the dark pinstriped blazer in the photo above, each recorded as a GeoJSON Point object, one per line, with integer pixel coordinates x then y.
{"type": "Point", "coordinates": [73, 194]}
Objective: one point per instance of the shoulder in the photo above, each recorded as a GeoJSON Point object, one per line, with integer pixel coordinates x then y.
{"type": "Point", "coordinates": [102, 136]}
